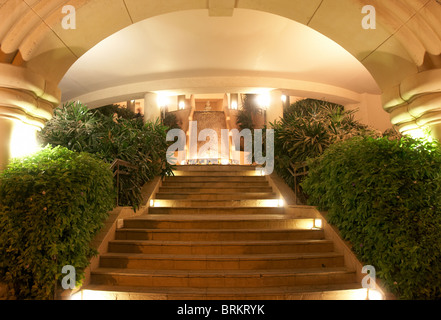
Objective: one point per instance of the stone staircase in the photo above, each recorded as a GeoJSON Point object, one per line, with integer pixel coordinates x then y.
{"type": "Point", "coordinates": [219, 232]}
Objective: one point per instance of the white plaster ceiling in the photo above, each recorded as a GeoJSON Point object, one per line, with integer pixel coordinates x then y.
{"type": "Point", "coordinates": [192, 45]}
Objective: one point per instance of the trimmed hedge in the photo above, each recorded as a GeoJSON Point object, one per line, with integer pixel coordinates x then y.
{"type": "Point", "coordinates": [51, 205]}
{"type": "Point", "coordinates": [385, 198]}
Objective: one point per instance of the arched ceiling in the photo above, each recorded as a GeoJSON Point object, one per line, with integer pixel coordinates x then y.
{"type": "Point", "coordinates": [403, 53]}
{"type": "Point", "coordinates": [173, 50]}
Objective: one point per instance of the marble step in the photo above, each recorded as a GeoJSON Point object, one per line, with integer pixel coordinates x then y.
{"type": "Point", "coordinates": [219, 247]}
{"type": "Point", "coordinates": [221, 262]}
{"type": "Point", "coordinates": [217, 235]}
{"type": "Point", "coordinates": [218, 178]}
{"type": "Point", "coordinates": [214, 184]}
{"type": "Point", "coordinates": [216, 210]}
{"type": "Point", "coordinates": [349, 291]}
{"type": "Point", "coordinates": [211, 222]}
{"type": "Point", "coordinates": [222, 278]}
{"type": "Point", "coordinates": [211, 189]}
{"type": "Point", "coordinates": [183, 195]}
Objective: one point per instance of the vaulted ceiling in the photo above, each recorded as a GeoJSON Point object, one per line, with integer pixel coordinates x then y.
{"type": "Point", "coordinates": [171, 51]}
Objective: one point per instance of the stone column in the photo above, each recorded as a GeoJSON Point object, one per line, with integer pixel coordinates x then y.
{"type": "Point", "coordinates": [152, 110]}
{"type": "Point", "coordinates": [26, 99]}
{"type": "Point", "coordinates": [415, 104]}
{"type": "Point", "coordinates": [131, 105]}
{"type": "Point", "coordinates": [6, 127]}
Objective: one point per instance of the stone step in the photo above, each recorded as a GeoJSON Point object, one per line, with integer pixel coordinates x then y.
{"type": "Point", "coordinates": [211, 189]}
{"type": "Point", "coordinates": [214, 196]}
{"type": "Point", "coordinates": [217, 235]}
{"type": "Point", "coordinates": [222, 279]}
{"type": "Point", "coordinates": [210, 222]}
{"type": "Point", "coordinates": [218, 178]}
{"type": "Point", "coordinates": [221, 262]}
{"type": "Point", "coordinates": [219, 247]}
{"type": "Point", "coordinates": [216, 173]}
{"type": "Point", "coordinates": [213, 184]}
{"type": "Point", "coordinates": [349, 291]}
{"type": "Point", "coordinates": [217, 203]}
{"type": "Point", "coordinates": [216, 210]}
{"type": "Point", "coordinates": [217, 168]}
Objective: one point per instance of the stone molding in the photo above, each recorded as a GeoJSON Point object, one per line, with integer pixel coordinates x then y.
{"type": "Point", "coordinates": [26, 96]}
{"type": "Point", "coordinates": [416, 102]}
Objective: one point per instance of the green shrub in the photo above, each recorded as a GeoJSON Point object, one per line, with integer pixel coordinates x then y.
{"type": "Point", "coordinates": [384, 195]}
{"type": "Point", "coordinates": [307, 129]}
{"type": "Point", "coordinates": [112, 134]}
{"type": "Point", "coordinates": [171, 121]}
{"type": "Point", "coordinates": [245, 116]}
{"type": "Point", "coordinates": [125, 113]}
{"type": "Point", "coordinates": [51, 205]}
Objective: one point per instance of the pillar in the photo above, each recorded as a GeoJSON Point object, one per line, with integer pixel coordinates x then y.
{"type": "Point", "coordinates": [6, 127]}
{"type": "Point", "coordinates": [152, 111]}
{"type": "Point", "coordinates": [27, 101]}
{"type": "Point", "coordinates": [415, 104]}
{"type": "Point", "coordinates": [131, 105]}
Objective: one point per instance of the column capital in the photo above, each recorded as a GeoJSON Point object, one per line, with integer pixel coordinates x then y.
{"type": "Point", "coordinates": [415, 104]}
{"type": "Point", "coordinates": [26, 96]}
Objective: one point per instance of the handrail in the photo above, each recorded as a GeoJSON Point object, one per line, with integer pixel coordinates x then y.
{"type": "Point", "coordinates": [298, 169]}
{"type": "Point", "coordinates": [116, 164]}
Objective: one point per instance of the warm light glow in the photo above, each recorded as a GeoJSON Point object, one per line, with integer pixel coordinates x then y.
{"type": "Point", "coordinates": [420, 134]}
{"type": "Point", "coordinates": [374, 295]}
{"type": "Point", "coordinates": [273, 203]}
{"type": "Point", "coordinates": [181, 105]}
{"type": "Point", "coordinates": [264, 100]}
{"type": "Point", "coordinates": [260, 171]}
{"type": "Point", "coordinates": [95, 295]}
{"type": "Point", "coordinates": [318, 223]}
{"type": "Point", "coordinates": [281, 203]}
{"type": "Point", "coordinates": [152, 203]}
{"type": "Point", "coordinates": [234, 105]}
{"type": "Point", "coordinates": [284, 98]}
{"type": "Point", "coordinates": [23, 140]}
{"type": "Point", "coordinates": [163, 101]}
{"type": "Point", "coordinates": [76, 296]}
{"type": "Point", "coordinates": [365, 294]}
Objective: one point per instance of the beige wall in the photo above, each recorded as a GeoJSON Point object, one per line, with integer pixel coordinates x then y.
{"type": "Point", "coordinates": [370, 112]}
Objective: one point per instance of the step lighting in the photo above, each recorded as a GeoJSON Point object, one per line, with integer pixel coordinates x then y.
{"type": "Point", "coordinates": [318, 224]}
{"type": "Point", "coordinates": [281, 203]}
{"type": "Point", "coordinates": [365, 294]}
{"type": "Point", "coordinates": [152, 203]}
{"type": "Point", "coordinates": [91, 295]}
{"type": "Point", "coordinates": [373, 295]}
{"type": "Point", "coordinates": [260, 172]}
